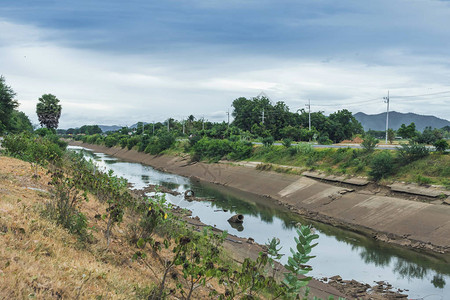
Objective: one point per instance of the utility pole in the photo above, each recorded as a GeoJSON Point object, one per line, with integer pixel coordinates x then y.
{"type": "Point", "coordinates": [228, 115]}
{"type": "Point", "coordinates": [168, 124]}
{"type": "Point", "coordinates": [386, 100]}
{"type": "Point", "coordinates": [262, 117]}
{"type": "Point", "coordinates": [203, 123]}
{"type": "Point", "coordinates": [309, 112]}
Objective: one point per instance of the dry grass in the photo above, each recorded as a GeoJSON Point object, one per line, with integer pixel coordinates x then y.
{"type": "Point", "coordinates": [39, 259]}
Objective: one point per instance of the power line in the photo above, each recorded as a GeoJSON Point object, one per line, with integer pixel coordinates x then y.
{"type": "Point", "coordinates": [422, 95]}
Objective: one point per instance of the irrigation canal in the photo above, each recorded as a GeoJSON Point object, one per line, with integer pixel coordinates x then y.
{"type": "Point", "coordinates": [340, 252]}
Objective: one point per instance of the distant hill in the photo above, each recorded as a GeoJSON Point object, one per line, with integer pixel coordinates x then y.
{"type": "Point", "coordinates": [396, 119]}
{"type": "Point", "coordinates": [106, 128]}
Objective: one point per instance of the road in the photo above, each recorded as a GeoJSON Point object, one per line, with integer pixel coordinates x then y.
{"type": "Point", "coordinates": [352, 146]}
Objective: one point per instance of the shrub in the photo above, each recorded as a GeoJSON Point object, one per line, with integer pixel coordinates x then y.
{"type": "Point", "coordinates": [369, 143]}
{"type": "Point", "coordinates": [408, 153]}
{"type": "Point", "coordinates": [132, 141]}
{"type": "Point", "coordinates": [65, 199]}
{"type": "Point", "coordinates": [110, 141]}
{"type": "Point", "coordinates": [441, 145]}
{"type": "Point", "coordinates": [381, 165]}
{"type": "Point", "coordinates": [241, 150]}
{"type": "Point", "coordinates": [324, 140]}
{"type": "Point", "coordinates": [287, 143]}
{"type": "Point", "coordinates": [268, 141]}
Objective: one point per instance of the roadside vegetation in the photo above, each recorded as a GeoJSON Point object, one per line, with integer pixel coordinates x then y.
{"type": "Point", "coordinates": [412, 162]}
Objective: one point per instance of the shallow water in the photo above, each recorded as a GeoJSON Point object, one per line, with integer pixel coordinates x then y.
{"type": "Point", "coordinates": [339, 252]}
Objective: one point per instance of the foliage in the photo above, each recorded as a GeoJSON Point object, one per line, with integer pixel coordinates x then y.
{"type": "Point", "coordinates": [7, 105]}
{"type": "Point", "coordinates": [297, 262]}
{"type": "Point", "coordinates": [381, 165]}
{"type": "Point", "coordinates": [287, 142]}
{"type": "Point", "coordinates": [216, 149]}
{"type": "Point", "coordinates": [391, 135]}
{"type": "Point", "coordinates": [280, 123]}
{"type": "Point", "coordinates": [35, 149]}
{"type": "Point", "coordinates": [198, 260]}
{"type": "Point", "coordinates": [342, 125]}
{"type": "Point", "coordinates": [19, 122]}
{"type": "Point", "coordinates": [441, 145]}
{"type": "Point", "coordinates": [65, 201]}
{"type": "Point", "coordinates": [369, 143]}
{"type": "Point", "coordinates": [407, 132]}
{"type": "Point", "coordinates": [268, 141]}
{"type": "Point", "coordinates": [408, 153]}
{"type": "Point", "coordinates": [274, 253]}
{"type": "Point", "coordinates": [428, 136]}
{"type": "Point", "coordinates": [48, 110]}
{"type": "Point", "coordinates": [324, 140]}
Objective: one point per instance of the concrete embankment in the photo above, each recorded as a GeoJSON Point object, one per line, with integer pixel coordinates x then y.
{"type": "Point", "coordinates": [403, 222]}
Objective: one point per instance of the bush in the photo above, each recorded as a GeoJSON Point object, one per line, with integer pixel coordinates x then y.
{"type": "Point", "coordinates": [441, 145]}
{"type": "Point", "coordinates": [37, 150]}
{"type": "Point", "coordinates": [408, 153]}
{"type": "Point", "coordinates": [213, 149]}
{"type": "Point", "coordinates": [268, 141]}
{"type": "Point", "coordinates": [241, 150]}
{"type": "Point", "coordinates": [110, 141]}
{"type": "Point", "coordinates": [287, 143]}
{"type": "Point", "coordinates": [369, 143]}
{"type": "Point", "coordinates": [324, 140]}
{"type": "Point", "coordinates": [381, 165]}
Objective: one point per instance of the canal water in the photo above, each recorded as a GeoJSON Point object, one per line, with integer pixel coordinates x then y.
{"type": "Point", "coordinates": [339, 252]}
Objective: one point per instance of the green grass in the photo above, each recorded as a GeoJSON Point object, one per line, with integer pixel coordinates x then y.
{"type": "Point", "coordinates": [432, 169]}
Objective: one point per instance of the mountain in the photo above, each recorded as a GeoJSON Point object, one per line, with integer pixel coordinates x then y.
{"type": "Point", "coordinates": [396, 119]}
{"type": "Point", "coordinates": [106, 128]}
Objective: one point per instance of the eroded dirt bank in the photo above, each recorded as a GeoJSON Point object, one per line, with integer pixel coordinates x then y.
{"type": "Point", "coordinates": [403, 222]}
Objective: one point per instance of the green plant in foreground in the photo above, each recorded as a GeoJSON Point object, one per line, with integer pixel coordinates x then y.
{"type": "Point", "coordinates": [274, 253]}
{"type": "Point", "coordinates": [65, 200]}
{"type": "Point", "coordinates": [297, 262]}
{"type": "Point", "coordinates": [198, 260]}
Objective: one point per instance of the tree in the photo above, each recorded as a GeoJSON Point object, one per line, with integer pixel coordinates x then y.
{"type": "Point", "coordinates": [7, 104]}
{"type": "Point", "coordinates": [407, 132]}
{"type": "Point", "coordinates": [342, 125]}
{"type": "Point", "coordinates": [48, 111]}
{"type": "Point", "coordinates": [19, 122]}
{"type": "Point", "coordinates": [390, 135]}
{"type": "Point", "coordinates": [441, 145]}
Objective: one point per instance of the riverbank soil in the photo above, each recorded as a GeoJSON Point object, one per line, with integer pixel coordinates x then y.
{"type": "Point", "coordinates": [39, 259]}
{"type": "Point", "coordinates": [369, 210]}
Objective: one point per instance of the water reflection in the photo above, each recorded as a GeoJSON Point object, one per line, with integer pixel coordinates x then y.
{"type": "Point", "coordinates": [438, 281]}
{"type": "Point", "coordinates": [342, 252]}
{"type": "Point", "coordinates": [406, 264]}
{"type": "Point", "coordinates": [238, 226]}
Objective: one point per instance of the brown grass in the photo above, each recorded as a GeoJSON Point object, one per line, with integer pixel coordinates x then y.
{"type": "Point", "coordinates": [42, 260]}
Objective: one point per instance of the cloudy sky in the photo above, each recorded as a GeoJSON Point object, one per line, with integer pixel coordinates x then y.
{"type": "Point", "coordinates": [119, 62]}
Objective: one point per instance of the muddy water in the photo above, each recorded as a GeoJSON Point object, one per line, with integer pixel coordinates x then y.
{"type": "Point", "coordinates": [339, 252]}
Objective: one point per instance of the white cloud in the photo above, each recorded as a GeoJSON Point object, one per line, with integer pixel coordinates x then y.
{"type": "Point", "coordinates": [103, 88]}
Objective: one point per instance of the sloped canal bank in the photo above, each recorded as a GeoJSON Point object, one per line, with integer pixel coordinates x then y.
{"type": "Point", "coordinates": [342, 252]}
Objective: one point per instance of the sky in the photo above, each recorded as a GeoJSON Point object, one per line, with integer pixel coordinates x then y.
{"type": "Point", "coordinates": [119, 62]}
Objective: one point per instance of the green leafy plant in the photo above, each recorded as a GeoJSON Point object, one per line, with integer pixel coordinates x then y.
{"type": "Point", "coordinates": [441, 145]}
{"type": "Point", "coordinates": [408, 153]}
{"type": "Point", "coordinates": [287, 142]}
{"type": "Point", "coordinates": [381, 165]}
{"type": "Point", "coordinates": [369, 143]}
{"type": "Point", "coordinates": [65, 201]}
{"type": "Point", "coordinates": [297, 262]}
